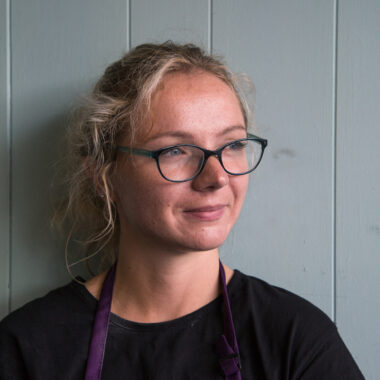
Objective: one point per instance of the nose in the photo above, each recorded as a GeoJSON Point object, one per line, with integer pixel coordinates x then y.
{"type": "Point", "coordinates": [212, 176]}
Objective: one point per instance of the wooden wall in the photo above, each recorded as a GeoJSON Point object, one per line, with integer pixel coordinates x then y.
{"type": "Point", "coordinates": [311, 221]}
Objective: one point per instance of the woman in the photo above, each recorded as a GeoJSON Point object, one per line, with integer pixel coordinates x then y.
{"type": "Point", "coordinates": [161, 157]}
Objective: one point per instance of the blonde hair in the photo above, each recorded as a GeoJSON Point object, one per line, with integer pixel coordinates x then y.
{"type": "Point", "coordinates": [116, 108]}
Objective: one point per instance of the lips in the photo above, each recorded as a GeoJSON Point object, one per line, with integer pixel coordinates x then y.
{"type": "Point", "coordinates": [207, 213]}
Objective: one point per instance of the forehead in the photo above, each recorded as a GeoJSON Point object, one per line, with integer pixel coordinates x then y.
{"type": "Point", "coordinates": [185, 85]}
{"type": "Point", "coordinates": [192, 102]}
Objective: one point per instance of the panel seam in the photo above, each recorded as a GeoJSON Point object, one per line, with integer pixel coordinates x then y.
{"type": "Point", "coordinates": [129, 4]}
{"type": "Point", "coordinates": [334, 174]}
{"type": "Point", "coordinates": [210, 25]}
{"type": "Point", "coordinates": [9, 140]}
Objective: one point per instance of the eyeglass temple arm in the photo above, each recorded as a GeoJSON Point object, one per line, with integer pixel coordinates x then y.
{"type": "Point", "coordinates": [140, 152]}
{"type": "Point", "coordinates": [252, 136]}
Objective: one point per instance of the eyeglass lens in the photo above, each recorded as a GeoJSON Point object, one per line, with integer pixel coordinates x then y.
{"type": "Point", "coordinates": [181, 163]}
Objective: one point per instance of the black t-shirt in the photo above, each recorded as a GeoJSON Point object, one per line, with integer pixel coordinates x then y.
{"type": "Point", "coordinates": [280, 336]}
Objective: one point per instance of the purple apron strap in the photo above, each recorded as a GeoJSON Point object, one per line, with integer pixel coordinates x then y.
{"type": "Point", "coordinates": [227, 346]}
{"type": "Point", "coordinates": [100, 329]}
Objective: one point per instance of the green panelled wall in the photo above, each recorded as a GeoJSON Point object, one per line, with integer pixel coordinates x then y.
{"type": "Point", "coordinates": [311, 222]}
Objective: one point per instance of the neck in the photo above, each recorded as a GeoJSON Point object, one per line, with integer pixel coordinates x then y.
{"type": "Point", "coordinates": [157, 286]}
{"type": "Point", "coordinates": [154, 285]}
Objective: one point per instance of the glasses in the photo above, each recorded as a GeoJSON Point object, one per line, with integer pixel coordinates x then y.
{"type": "Point", "coordinates": [183, 162]}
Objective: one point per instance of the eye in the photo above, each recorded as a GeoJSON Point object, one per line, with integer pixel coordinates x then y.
{"type": "Point", "coordinates": [173, 152]}
{"type": "Point", "coordinates": [237, 145]}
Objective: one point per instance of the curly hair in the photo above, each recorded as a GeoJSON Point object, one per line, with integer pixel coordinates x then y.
{"type": "Point", "coordinates": [116, 107]}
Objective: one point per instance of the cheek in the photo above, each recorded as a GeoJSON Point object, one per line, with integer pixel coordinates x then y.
{"type": "Point", "coordinates": [142, 200]}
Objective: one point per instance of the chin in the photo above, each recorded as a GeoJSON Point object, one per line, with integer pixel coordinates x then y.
{"type": "Point", "coordinates": [206, 241]}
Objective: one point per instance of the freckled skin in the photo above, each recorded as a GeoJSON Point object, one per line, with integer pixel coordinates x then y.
{"type": "Point", "coordinates": [153, 211]}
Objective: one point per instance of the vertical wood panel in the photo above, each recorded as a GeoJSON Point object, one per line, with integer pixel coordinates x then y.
{"type": "Point", "coordinates": [4, 159]}
{"type": "Point", "coordinates": [284, 233]}
{"type": "Point", "coordinates": [358, 181]}
{"type": "Point", "coordinates": [59, 48]}
{"type": "Point", "coordinates": [178, 20]}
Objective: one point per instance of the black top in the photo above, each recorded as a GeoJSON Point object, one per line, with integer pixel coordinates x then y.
{"type": "Point", "coordinates": [280, 336]}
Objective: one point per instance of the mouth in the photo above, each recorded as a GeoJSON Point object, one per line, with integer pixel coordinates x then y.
{"type": "Point", "coordinates": [206, 213]}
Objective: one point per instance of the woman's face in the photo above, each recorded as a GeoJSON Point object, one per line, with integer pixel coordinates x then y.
{"type": "Point", "coordinates": [197, 215]}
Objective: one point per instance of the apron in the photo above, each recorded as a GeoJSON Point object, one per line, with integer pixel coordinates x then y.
{"type": "Point", "coordinates": [227, 347]}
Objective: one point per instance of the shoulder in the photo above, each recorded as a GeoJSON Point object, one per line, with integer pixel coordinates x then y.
{"type": "Point", "coordinates": [269, 302]}
{"type": "Point", "coordinates": [44, 313]}
{"type": "Point", "coordinates": [30, 335]}
{"type": "Point", "coordinates": [290, 331]}
{"type": "Point", "coordinates": [279, 314]}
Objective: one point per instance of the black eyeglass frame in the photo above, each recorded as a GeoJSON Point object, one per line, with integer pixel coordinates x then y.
{"type": "Point", "coordinates": [206, 154]}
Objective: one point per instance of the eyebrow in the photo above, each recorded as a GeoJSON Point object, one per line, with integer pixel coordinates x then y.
{"type": "Point", "coordinates": [231, 129]}
{"type": "Point", "coordinates": [181, 134]}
